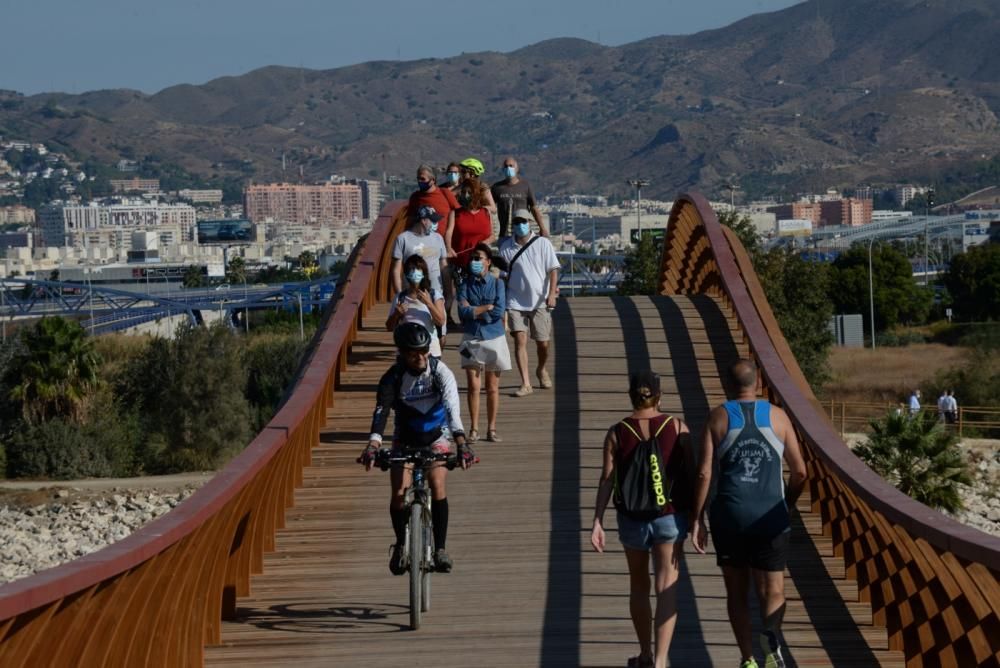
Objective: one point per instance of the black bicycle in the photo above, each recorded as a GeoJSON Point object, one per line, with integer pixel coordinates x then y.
{"type": "Point", "coordinates": [418, 547]}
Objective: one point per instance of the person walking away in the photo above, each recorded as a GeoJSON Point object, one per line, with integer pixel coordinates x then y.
{"type": "Point", "coordinates": [942, 406]}
{"type": "Point", "coordinates": [532, 278]}
{"type": "Point", "coordinates": [951, 412]}
{"type": "Point", "coordinates": [422, 392]}
{"type": "Point", "coordinates": [914, 403]}
{"type": "Point", "coordinates": [511, 194]}
{"type": "Point", "coordinates": [481, 303]}
{"type": "Point", "coordinates": [742, 448]}
{"type": "Point", "coordinates": [648, 520]}
{"type": "Point", "coordinates": [418, 302]}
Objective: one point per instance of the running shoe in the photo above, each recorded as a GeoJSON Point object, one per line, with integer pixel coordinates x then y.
{"type": "Point", "coordinates": [749, 663]}
{"type": "Point", "coordinates": [772, 650]}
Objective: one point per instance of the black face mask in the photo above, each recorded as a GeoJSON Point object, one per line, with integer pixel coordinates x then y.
{"type": "Point", "coordinates": [464, 198]}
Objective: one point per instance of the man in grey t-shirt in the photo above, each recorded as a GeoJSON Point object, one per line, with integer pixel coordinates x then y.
{"type": "Point", "coordinates": [419, 239]}
{"type": "Point", "coordinates": [511, 194]}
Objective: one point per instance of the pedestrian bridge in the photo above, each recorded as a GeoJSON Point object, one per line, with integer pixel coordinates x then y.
{"type": "Point", "coordinates": [281, 559]}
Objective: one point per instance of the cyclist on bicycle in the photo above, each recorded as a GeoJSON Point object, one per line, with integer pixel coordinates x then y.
{"type": "Point", "coordinates": [423, 393]}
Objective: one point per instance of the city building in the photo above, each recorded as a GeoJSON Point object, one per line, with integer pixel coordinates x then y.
{"type": "Point", "coordinates": [201, 196]}
{"type": "Point", "coordinates": [328, 203]}
{"type": "Point", "coordinates": [371, 197]}
{"type": "Point", "coordinates": [110, 225]}
{"type": "Point", "coordinates": [905, 193]}
{"type": "Point", "coordinates": [827, 211]}
{"type": "Point", "coordinates": [135, 185]}
{"type": "Point", "coordinates": [17, 215]}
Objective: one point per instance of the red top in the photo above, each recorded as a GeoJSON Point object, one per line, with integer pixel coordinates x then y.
{"type": "Point", "coordinates": [470, 229]}
{"type": "Point", "coordinates": [442, 199]}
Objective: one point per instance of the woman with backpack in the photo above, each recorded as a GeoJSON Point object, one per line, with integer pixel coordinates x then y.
{"type": "Point", "coordinates": [647, 470]}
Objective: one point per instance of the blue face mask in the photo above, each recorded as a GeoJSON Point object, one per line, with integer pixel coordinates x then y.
{"type": "Point", "coordinates": [510, 172]}
{"type": "Point", "coordinates": [424, 185]}
{"type": "Point", "coordinates": [415, 276]}
{"type": "Point", "coordinates": [476, 266]}
{"type": "Point", "coordinates": [453, 177]}
{"type": "Point", "coordinates": [434, 226]}
{"type": "Point", "coordinates": [521, 229]}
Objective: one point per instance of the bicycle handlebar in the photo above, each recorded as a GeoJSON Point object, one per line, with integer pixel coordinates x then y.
{"type": "Point", "coordinates": [422, 458]}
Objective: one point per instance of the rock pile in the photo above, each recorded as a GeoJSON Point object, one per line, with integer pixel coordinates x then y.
{"type": "Point", "coordinates": [982, 498]}
{"type": "Point", "coordinates": [38, 537]}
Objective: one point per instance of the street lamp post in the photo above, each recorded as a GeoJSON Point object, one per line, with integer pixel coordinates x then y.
{"type": "Point", "coordinates": [871, 290]}
{"type": "Point", "coordinates": [638, 184]}
{"type": "Point", "coordinates": [246, 304]}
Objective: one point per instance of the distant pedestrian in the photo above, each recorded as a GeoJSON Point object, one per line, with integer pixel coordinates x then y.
{"type": "Point", "coordinates": [742, 448]}
{"type": "Point", "coordinates": [951, 411]}
{"type": "Point", "coordinates": [914, 404]}
{"type": "Point", "coordinates": [942, 406]}
{"type": "Point", "coordinates": [511, 194]}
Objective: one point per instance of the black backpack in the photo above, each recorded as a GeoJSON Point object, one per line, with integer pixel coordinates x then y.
{"type": "Point", "coordinates": [642, 484]}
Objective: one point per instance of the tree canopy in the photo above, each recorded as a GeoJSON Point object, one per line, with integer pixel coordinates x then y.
{"type": "Point", "coordinates": [898, 299]}
{"type": "Point", "coordinates": [973, 280]}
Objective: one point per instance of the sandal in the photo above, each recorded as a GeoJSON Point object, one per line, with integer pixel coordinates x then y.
{"type": "Point", "coordinates": [492, 437]}
{"type": "Point", "coordinates": [473, 436]}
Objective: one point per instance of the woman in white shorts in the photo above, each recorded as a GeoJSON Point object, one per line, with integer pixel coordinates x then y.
{"type": "Point", "coordinates": [418, 302]}
{"type": "Point", "coordinates": [481, 302]}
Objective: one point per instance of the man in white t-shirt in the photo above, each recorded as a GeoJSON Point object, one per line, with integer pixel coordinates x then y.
{"type": "Point", "coordinates": [532, 277]}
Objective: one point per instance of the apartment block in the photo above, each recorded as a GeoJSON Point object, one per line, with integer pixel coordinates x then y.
{"type": "Point", "coordinates": [110, 224]}
{"type": "Point", "coordinates": [135, 185]}
{"type": "Point", "coordinates": [328, 203]}
{"type": "Point", "coordinates": [201, 196]}
{"type": "Point", "coordinates": [16, 215]}
{"type": "Point", "coordinates": [811, 211]}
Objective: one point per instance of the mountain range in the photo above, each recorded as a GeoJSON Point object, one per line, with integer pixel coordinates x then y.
{"type": "Point", "coordinates": [827, 93]}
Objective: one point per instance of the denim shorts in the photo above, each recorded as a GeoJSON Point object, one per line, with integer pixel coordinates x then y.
{"type": "Point", "coordinates": [643, 534]}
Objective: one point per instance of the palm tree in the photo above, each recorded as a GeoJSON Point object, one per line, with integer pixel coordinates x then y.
{"type": "Point", "coordinates": [54, 371]}
{"type": "Point", "coordinates": [918, 456]}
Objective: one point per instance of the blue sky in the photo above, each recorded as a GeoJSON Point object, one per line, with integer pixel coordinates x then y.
{"type": "Point", "coordinates": [73, 46]}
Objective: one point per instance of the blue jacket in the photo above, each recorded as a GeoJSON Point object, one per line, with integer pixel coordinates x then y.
{"type": "Point", "coordinates": [479, 291]}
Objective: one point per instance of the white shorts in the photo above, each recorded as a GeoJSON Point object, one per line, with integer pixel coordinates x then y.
{"type": "Point", "coordinates": [492, 355]}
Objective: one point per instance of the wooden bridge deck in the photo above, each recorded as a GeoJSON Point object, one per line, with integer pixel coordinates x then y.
{"type": "Point", "coordinates": [527, 589]}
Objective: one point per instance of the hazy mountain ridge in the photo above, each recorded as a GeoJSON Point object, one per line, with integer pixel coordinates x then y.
{"type": "Point", "coordinates": [823, 93]}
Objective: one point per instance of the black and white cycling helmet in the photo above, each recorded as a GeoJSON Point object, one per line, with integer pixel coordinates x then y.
{"type": "Point", "coordinates": [412, 336]}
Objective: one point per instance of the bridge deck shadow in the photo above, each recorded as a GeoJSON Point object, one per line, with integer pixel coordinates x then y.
{"type": "Point", "coordinates": [527, 589]}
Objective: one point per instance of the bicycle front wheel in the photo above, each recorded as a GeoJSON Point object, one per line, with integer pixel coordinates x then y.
{"type": "Point", "coordinates": [416, 563]}
{"type": "Point", "coordinates": [425, 595]}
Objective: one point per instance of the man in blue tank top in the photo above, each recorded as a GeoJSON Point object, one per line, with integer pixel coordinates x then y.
{"type": "Point", "coordinates": [742, 448]}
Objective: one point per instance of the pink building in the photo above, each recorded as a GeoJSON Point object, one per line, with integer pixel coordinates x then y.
{"type": "Point", "coordinates": [328, 203]}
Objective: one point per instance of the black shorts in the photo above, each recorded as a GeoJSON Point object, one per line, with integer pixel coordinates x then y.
{"type": "Point", "coordinates": [761, 552]}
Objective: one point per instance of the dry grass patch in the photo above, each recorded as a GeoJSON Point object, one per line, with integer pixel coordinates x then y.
{"type": "Point", "coordinates": [886, 374]}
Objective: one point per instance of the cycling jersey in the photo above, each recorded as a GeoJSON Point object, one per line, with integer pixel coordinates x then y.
{"type": "Point", "coordinates": [426, 404]}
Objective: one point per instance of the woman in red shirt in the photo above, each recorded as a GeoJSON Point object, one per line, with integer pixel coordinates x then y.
{"type": "Point", "coordinates": [472, 223]}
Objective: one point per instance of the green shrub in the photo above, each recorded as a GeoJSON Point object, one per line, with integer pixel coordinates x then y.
{"type": "Point", "coordinates": [271, 363]}
{"type": "Point", "coordinates": [919, 457]}
{"type": "Point", "coordinates": [193, 394]}
{"type": "Point", "coordinates": [60, 449]}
